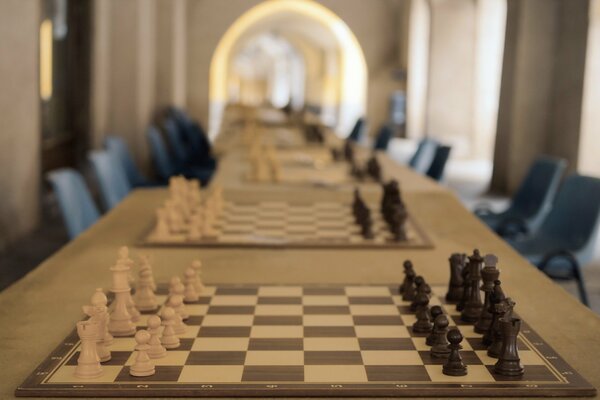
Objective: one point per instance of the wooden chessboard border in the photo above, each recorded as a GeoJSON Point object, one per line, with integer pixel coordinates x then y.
{"type": "Point", "coordinates": [574, 385]}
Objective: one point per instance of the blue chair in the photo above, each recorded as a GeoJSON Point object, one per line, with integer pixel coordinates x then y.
{"type": "Point", "coordinates": [532, 201]}
{"type": "Point", "coordinates": [111, 177]}
{"type": "Point", "coordinates": [166, 166]}
{"type": "Point", "coordinates": [74, 200]}
{"type": "Point", "coordinates": [565, 240]}
{"type": "Point", "coordinates": [118, 148]}
{"type": "Point", "coordinates": [358, 130]}
{"type": "Point", "coordinates": [438, 165]}
{"type": "Point", "coordinates": [424, 155]}
{"type": "Point", "coordinates": [383, 138]}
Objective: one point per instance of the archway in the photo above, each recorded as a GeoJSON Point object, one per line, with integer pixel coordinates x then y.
{"type": "Point", "coordinates": [340, 89]}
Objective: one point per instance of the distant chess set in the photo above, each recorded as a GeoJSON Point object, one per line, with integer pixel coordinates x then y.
{"type": "Point", "coordinates": [194, 218]}
{"type": "Point", "coordinates": [188, 339]}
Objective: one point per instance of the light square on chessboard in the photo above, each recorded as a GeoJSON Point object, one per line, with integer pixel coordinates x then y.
{"type": "Point", "coordinates": [211, 374]}
{"type": "Point", "coordinates": [233, 300]}
{"type": "Point", "coordinates": [329, 343]}
{"type": "Point", "coordinates": [274, 357]}
{"type": "Point", "coordinates": [328, 320]}
{"type": "Point", "coordinates": [220, 344]}
{"type": "Point", "coordinates": [173, 357]}
{"type": "Point", "coordinates": [278, 310]}
{"type": "Point", "coordinates": [123, 344]}
{"type": "Point", "coordinates": [64, 374]}
{"type": "Point", "coordinates": [370, 300]}
{"type": "Point", "coordinates": [367, 291]}
{"type": "Point", "coordinates": [475, 374]}
{"type": "Point", "coordinates": [383, 331]}
{"type": "Point", "coordinates": [190, 332]}
{"type": "Point", "coordinates": [279, 291]}
{"type": "Point", "coordinates": [468, 331]}
{"type": "Point", "coordinates": [375, 309]}
{"type": "Point", "coordinates": [228, 320]}
{"type": "Point", "coordinates": [391, 357]}
{"type": "Point", "coordinates": [324, 300]}
{"type": "Point", "coordinates": [196, 309]}
{"type": "Point", "coordinates": [279, 331]}
{"type": "Point", "coordinates": [335, 373]}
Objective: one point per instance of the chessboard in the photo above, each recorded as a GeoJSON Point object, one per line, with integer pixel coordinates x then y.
{"type": "Point", "coordinates": [266, 341]}
{"type": "Point", "coordinates": [286, 224]}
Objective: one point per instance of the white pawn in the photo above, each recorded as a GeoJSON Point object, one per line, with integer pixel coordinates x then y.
{"type": "Point", "coordinates": [195, 230]}
{"type": "Point", "coordinates": [162, 230]}
{"type": "Point", "coordinates": [145, 299]}
{"type": "Point", "coordinates": [190, 294]}
{"type": "Point", "coordinates": [175, 302]}
{"type": "Point", "coordinates": [197, 266]}
{"type": "Point", "coordinates": [98, 313]}
{"type": "Point", "coordinates": [88, 363]}
{"type": "Point", "coordinates": [208, 229]}
{"type": "Point", "coordinates": [157, 350]}
{"type": "Point", "coordinates": [142, 366]}
{"type": "Point", "coordinates": [146, 265]}
{"type": "Point", "coordinates": [178, 290]}
{"type": "Point", "coordinates": [169, 338]}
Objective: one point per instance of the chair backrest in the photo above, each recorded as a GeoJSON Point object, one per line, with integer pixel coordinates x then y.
{"type": "Point", "coordinates": [74, 200]}
{"type": "Point", "coordinates": [423, 157]}
{"type": "Point", "coordinates": [160, 155]}
{"type": "Point", "coordinates": [358, 130]}
{"type": "Point", "coordinates": [383, 138]}
{"type": "Point", "coordinates": [438, 165]}
{"type": "Point", "coordinates": [117, 146]}
{"type": "Point", "coordinates": [111, 177]}
{"type": "Point", "coordinates": [176, 143]}
{"type": "Point", "coordinates": [533, 199]}
{"type": "Point", "coordinates": [573, 219]}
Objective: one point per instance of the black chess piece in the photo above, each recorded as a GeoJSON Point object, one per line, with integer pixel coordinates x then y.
{"type": "Point", "coordinates": [422, 324]}
{"type": "Point", "coordinates": [419, 281]}
{"type": "Point", "coordinates": [407, 266]}
{"type": "Point", "coordinates": [466, 293]}
{"type": "Point", "coordinates": [504, 311]}
{"type": "Point", "coordinates": [454, 365]}
{"type": "Point", "coordinates": [434, 311]}
{"type": "Point", "coordinates": [374, 168]}
{"type": "Point", "coordinates": [509, 363]}
{"type": "Point", "coordinates": [473, 306]}
{"type": "Point", "coordinates": [496, 296]}
{"type": "Point", "coordinates": [455, 286]}
{"type": "Point", "coordinates": [410, 290]}
{"type": "Point", "coordinates": [489, 275]}
{"type": "Point", "coordinates": [398, 224]}
{"type": "Point", "coordinates": [439, 347]}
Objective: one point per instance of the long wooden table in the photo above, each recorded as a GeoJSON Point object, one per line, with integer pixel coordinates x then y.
{"type": "Point", "coordinates": [37, 312]}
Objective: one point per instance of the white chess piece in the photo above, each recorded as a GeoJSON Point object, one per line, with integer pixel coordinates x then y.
{"type": "Point", "coordinates": [177, 289]}
{"type": "Point", "coordinates": [146, 265]}
{"type": "Point", "coordinates": [120, 323]}
{"type": "Point", "coordinates": [98, 313]}
{"type": "Point", "coordinates": [162, 230]}
{"type": "Point", "coordinates": [142, 366]}
{"type": "Point", "coordinates": [145, 299]}
{"type": "Point", "coordinates": [125, 260]}
{"type": "Point", "coordinates": [169, 338]}
{"type": "Point", "coordinates": [197, 266]}
{"type": "Point", "coordinates": [176, 302]}
{"type": "Point", "coordinates": [190, 294]}
{"type": "Point", "coordinates": [157, 350]}
{"type": "Point", "coordinates": [195, 229]}
{"type": "Point", "coordinates": [88, 363]}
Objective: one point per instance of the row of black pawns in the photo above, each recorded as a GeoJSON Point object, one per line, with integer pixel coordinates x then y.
{"type": "Point", "coordinates": [493, 317]}
{"type": "Point", "coordinates": [392, 208]}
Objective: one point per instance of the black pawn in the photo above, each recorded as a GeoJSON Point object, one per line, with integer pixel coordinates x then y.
{"type": "Point", "coordinates": [496, 297]}
{"type": "Point", "coordinates": [407, 281]}
{"type": "Point", "coordinates": [454, 366]}
{"type": "Point", "coordinates": [434, 311]}
{"type": "Point", "coordinates": [410, 290]}
{"type": "Point", "coordinates": [455, 286]}
{"type": "Point", "coordinates": [509, 363]}
{"type": "Point", "coordinates": [439, 348]}
{"type": "Point", "coordinates": [489, 275]}
{"type": "Point", "coordinates": [421, 287]}
{"type": "Point", "coordinates": [422, 324]}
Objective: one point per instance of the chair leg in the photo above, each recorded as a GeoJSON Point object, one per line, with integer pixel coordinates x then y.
{"type": "Point", "coordinates": [580, 284]}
